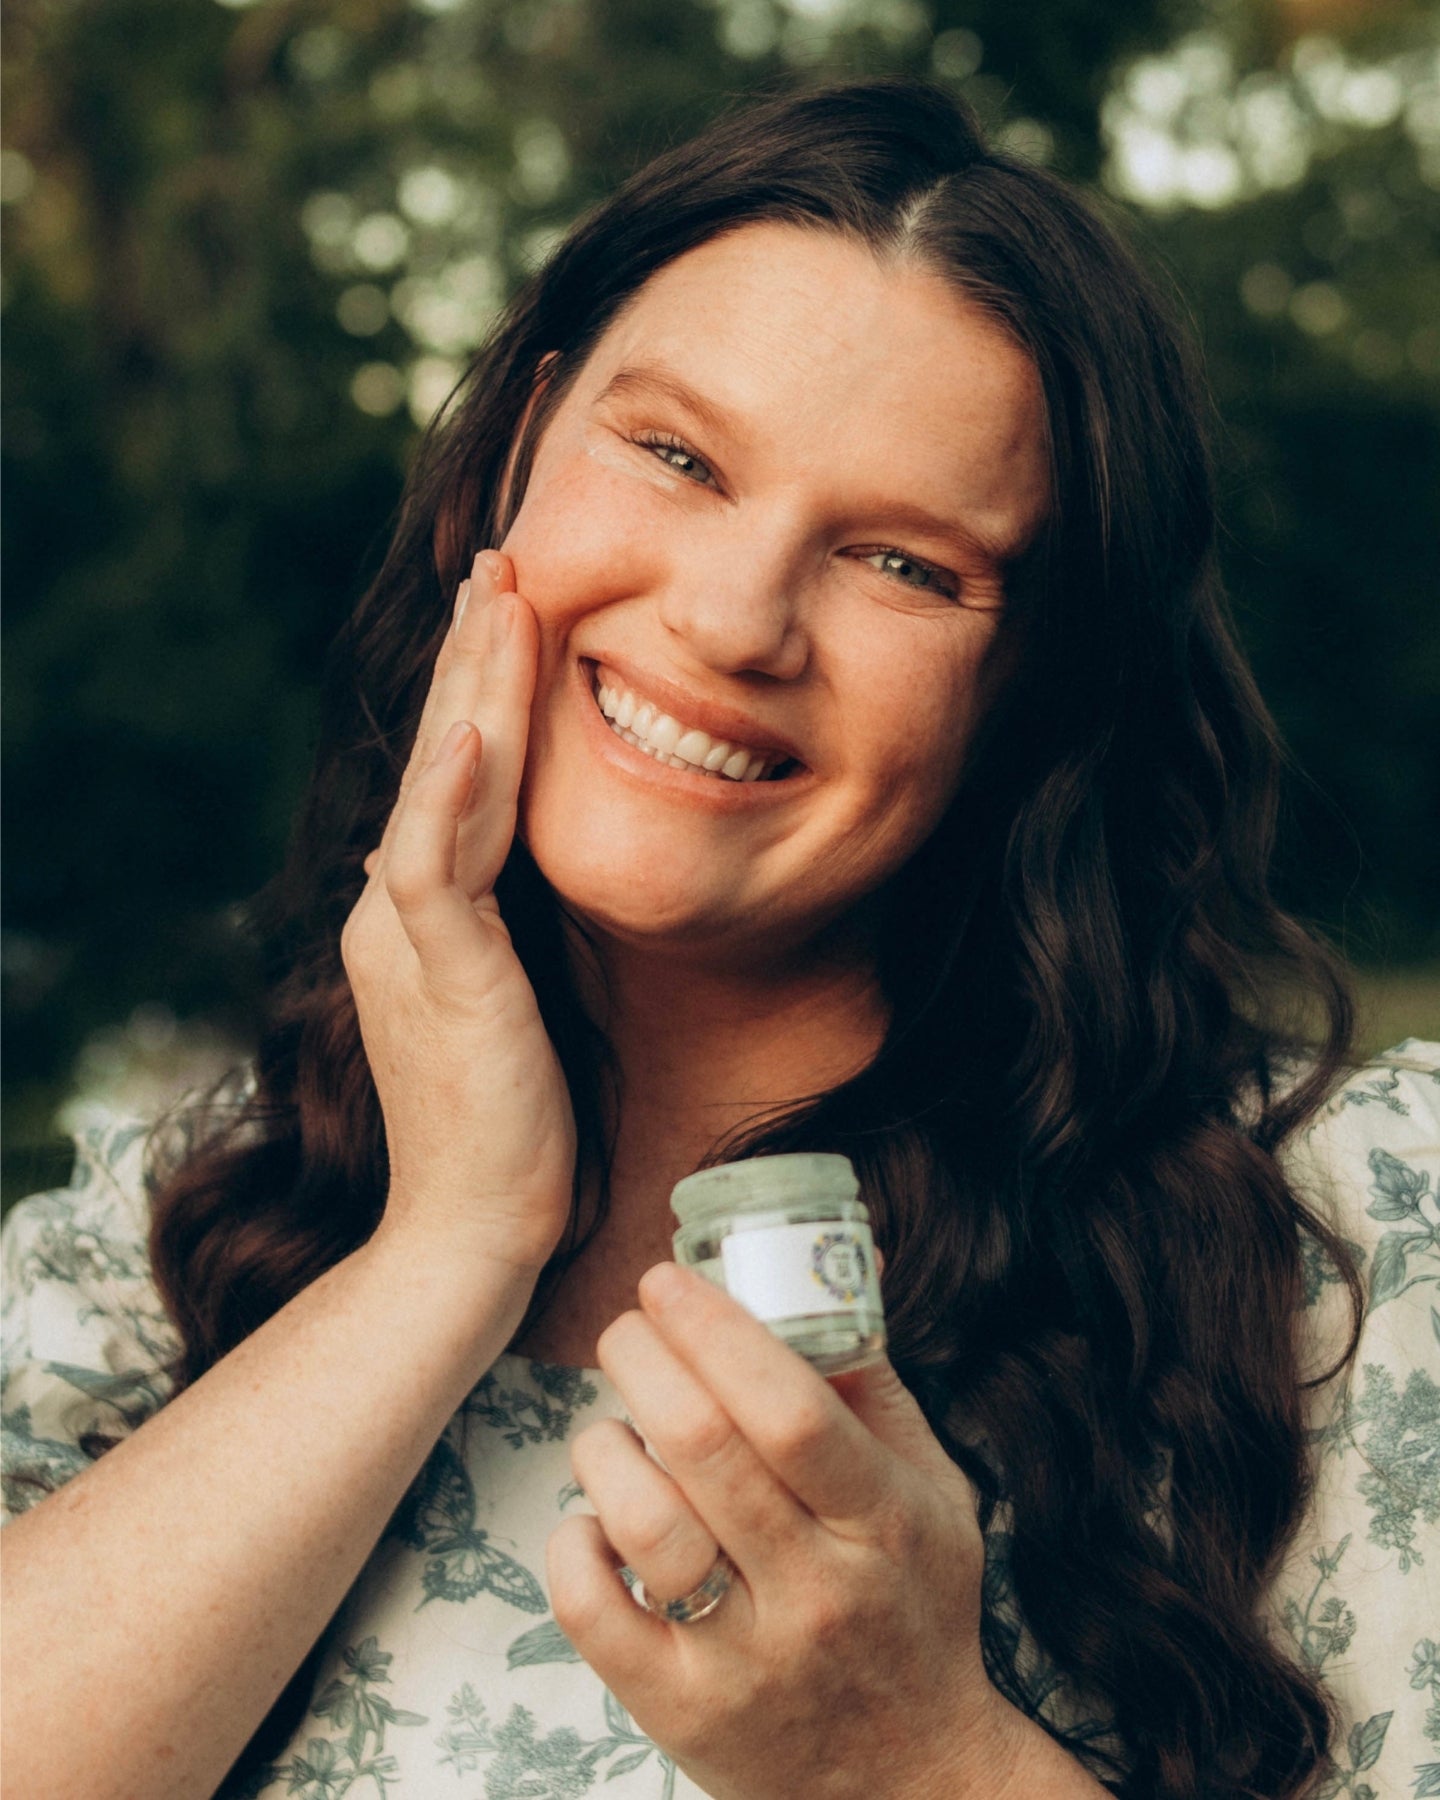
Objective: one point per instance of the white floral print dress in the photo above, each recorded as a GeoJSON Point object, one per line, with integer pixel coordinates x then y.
{"type": "Point", "coordinates": [444, 1671]}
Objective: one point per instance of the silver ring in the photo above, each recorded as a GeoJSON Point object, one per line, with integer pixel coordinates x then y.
{"type": "Point", "coordinates": [697, 1603]}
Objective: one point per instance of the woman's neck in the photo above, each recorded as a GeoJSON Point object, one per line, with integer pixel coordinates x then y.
{"type": "Point", "coordinates": [700, 1051]}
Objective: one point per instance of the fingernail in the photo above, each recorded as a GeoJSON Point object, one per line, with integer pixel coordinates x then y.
{"type": "Point", "coordinates": [666, 1285]}
{"type": "Point", "coordinates": [462, 600]}
{"type": "Point", "coordinates": [453, 739]}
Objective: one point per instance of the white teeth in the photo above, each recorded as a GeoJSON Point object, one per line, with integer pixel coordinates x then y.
{"type": "Point", "coordinates": [641, 723]}
{"type": "Point", "coordinates": [665, 734]}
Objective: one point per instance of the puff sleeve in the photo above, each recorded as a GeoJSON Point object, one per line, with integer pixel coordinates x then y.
{"type": "Point", "coordinates": [85, 1336]}
{"type": "Point", "coordinates": [1359, 1594]}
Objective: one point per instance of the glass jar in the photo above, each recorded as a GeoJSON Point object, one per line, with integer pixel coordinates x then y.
{"type": "Point", "coordinates": [789, 1238]}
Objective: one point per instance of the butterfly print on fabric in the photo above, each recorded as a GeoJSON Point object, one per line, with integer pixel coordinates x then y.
{"type": "Point", "coordinates": [437, 1518]}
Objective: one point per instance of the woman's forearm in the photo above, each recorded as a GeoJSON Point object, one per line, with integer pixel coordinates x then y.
{"type": "Point", "coordinates": [157, 1604]}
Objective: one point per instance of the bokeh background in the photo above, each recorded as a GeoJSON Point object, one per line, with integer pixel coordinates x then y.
{"type": "Point", "coordinates": [249, 248]}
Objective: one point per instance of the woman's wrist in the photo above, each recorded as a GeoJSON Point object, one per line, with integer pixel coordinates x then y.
{"type": "Point", "coordinates": [476, 1294]}
{"type": "Point", "coordinates": [1005, 1756]}
{"type": "Point", "coordinates": [505, 1242]}
{"type": "Point", "coordinates": [1030, 1765]}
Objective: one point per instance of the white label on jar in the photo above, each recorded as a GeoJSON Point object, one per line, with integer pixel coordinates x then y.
{"type": "Point", "coordinates": [787, 1271]}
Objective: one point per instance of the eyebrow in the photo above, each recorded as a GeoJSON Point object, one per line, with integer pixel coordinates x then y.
{"type": "Point", "coordinates": [654, 381]}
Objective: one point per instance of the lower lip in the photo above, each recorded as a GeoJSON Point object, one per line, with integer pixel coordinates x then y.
{"type": "Point", "coordinates": [715, 792]}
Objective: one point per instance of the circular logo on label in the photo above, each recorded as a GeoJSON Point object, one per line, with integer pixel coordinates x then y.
{"type": "Point", "coordinates": [837, 1262]}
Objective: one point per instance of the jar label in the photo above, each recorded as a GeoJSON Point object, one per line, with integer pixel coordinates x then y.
{"type": "Point", "coordinates": [790, 1271]}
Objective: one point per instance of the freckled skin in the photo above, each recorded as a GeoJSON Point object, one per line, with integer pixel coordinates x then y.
{"type": "Point", "coordinates": [855, 387]}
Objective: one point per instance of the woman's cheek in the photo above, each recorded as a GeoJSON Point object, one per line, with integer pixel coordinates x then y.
{"type": "Point", "coordinates": [928, 695]}
{"type": "Point", "coordinates": [588, 529]}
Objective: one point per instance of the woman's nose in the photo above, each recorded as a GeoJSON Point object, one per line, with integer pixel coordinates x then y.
{"type": "Point", "coordinates": [739, 618]}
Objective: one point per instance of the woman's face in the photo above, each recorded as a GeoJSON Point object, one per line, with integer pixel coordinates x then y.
{"type": "Point", "coordinates": [773, 514]}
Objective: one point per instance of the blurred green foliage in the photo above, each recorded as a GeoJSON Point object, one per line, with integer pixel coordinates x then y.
{"type": "Point", "coordinates": [248, 249]}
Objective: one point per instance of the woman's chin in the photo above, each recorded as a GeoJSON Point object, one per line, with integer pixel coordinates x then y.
{"type": "Point", "coordinates": [653, 887]}
{"type": "Point", "coordinates": [650, 917]}
{"type": "Point", "coordinates": [722, 934]}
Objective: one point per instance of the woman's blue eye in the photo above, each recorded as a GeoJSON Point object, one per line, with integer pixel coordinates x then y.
{"type": "Point", "coordinates": [687, 461]}
{"type": "Point", "coordinates": [912, 573]}
{"type": "Point", "coordinates": [676, 454]}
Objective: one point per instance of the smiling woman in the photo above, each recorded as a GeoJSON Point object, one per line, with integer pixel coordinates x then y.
{"type": "Point", "coordinates": [797, 713]}
{"type": "Point", "coordinates": [767, 582]}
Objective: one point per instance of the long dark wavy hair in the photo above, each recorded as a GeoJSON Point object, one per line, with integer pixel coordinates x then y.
{"type": "Point", "coordinates": [1102, 1026]}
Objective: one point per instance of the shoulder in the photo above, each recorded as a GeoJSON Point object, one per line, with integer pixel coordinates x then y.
{"type": "Point", "coordinates": [87, 1341]}
{"type": "Point", "coordinates": [86, 1336]}
{"type": "Point", "coordinates": [1390, 1103]}
{"type": "Point", "coordinates": [93, 1233]}
{"type": "Point", "coordinates": [1358, 1589]}
{"type": "Point", "coordinates": [1369, 1165]}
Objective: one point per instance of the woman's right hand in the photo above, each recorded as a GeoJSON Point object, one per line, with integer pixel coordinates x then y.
{"type": "Point", "coordinates": [478, 1121]}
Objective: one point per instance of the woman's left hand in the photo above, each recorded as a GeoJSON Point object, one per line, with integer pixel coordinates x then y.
{"type": "Point", "coordinates": [844, 1662]}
